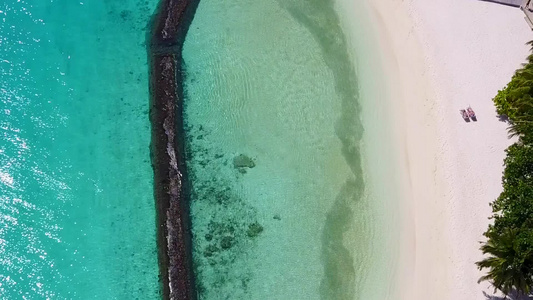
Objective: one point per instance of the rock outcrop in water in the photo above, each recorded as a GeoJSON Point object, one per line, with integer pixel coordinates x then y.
{"type": "Point", "coordinates": [243, 161]}
{"type": "Point", "coordinates": [169, 28]}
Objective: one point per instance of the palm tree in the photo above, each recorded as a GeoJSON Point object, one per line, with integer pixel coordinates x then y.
{"type": "Point", "coordinates": [509, 268]}
{"type": "Point", "coordinates": [517, 128]}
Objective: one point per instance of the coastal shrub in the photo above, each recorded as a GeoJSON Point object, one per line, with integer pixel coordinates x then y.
{"type": "Point", "coordinates": [509, 245]}
{"type": "Point", "coordinates": [516, 101]}
{"type": "Point", "coordinates": [514, 207]}
{"type": "Point", "coordinates": [504, 99]}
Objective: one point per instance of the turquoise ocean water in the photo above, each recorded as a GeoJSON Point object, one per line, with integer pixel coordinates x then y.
{"type": "Point", "coordinates": [279, 208]}
{"type": "Point", "coordinates": [279, 204]}
{"type": "Point", "coordinates": [76, 205]}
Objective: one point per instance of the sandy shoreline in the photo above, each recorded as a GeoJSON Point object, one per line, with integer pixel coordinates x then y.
{"type": "Point", "coordinates": [438, 57]}
{"type": "Point", "coordinates": [472, 49]}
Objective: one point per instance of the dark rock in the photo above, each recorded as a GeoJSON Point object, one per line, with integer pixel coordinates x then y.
{"type": "Point", "coordinates": [242, 170]}
{"type": "Point", "coordinates": [277, 217]}
{"type": "Point", "coordinates": [231, 229]}
{"type": "Point", "coordinates": [125, 14]}
{"type": "Point", "coordinates": [254, 230]}
{"type": "Point", "coordinates": [208, 237]}
{"type": "Point", "coordinates": [210, 250]}
{"type": "Point", "coordinates": [243, 161]}
{"type": "Point", "coordinates": [226, 242]}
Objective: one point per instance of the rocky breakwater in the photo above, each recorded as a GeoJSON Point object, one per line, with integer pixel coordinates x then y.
{"type": "Point", "coordinates": [168, 30]}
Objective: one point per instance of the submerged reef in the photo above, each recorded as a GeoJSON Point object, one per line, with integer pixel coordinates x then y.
{"type": "Point", "coordinates": [168, 30]}
{"type": "Point", "coordinates": [226, 225]}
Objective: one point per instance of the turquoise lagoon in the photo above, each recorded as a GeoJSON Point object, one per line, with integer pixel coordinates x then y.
{"type": "Point", "coordinates": [272, 82]}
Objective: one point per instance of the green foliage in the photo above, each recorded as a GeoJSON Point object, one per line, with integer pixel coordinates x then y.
{"type": "Point", "coordinates": [509, 243]}
{"type": "Point", "coordinates": [516, 100]}
{"type": "Point", "coordinates": [510, 262]}
{"type": "Point", "coordinates": [504, 99]}
{"type": "Point", "coordinates": [514, 207]}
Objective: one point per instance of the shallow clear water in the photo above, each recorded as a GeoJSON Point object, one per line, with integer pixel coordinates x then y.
{"type": "Point", "coordinates": [76, 204]}
{"type": "Point", "coordinates": [273, 81]}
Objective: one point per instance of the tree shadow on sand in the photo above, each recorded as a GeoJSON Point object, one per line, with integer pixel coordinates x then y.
{"type": "Point", "coordinates": [503, 118]}
{"type": "Point", "coordinates": [514, 295]}
{"type": "Point", "coordinates": [504, 2]}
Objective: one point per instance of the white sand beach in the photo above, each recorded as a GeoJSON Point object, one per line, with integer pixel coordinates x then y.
{"type": "Point", "coordinates": [438, 57]}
